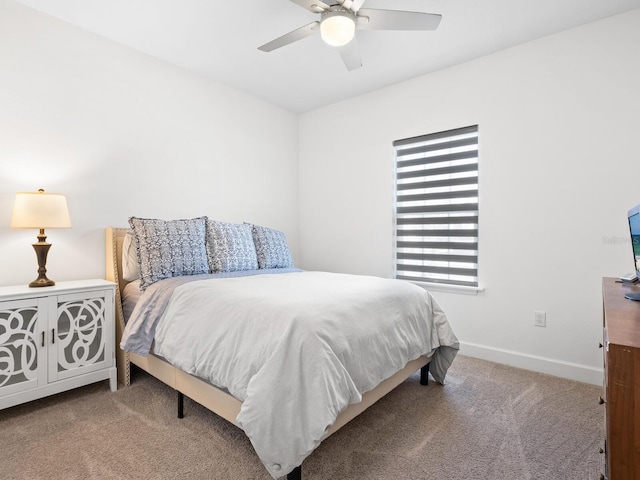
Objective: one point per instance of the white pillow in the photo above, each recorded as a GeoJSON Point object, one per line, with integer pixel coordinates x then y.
{"type": "Point", "coordinates": [130, 268]}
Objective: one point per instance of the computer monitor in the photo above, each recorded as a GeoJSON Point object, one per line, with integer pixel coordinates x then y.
{"type": "Point", "coordinates": [634, 230]}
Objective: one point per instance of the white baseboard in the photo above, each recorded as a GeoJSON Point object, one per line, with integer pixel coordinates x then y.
{"type": "Point", "coordinates": [572, 371]}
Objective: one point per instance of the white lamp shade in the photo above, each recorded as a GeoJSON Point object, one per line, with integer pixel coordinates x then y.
{"type": "Point", "coordinates": [337, 29]}
{"type": "Point", "coordinates": [40, 210]}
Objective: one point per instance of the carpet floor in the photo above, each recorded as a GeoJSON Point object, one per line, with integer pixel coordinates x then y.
{"type": "Point", "coordinates": [489, 421]}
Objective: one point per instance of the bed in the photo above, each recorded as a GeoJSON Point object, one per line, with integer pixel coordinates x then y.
{"type": "Point", "coordinates": [221, 400]}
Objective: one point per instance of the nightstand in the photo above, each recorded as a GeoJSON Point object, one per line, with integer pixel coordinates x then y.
{"type": "Point", "coordinates": [55, 338]}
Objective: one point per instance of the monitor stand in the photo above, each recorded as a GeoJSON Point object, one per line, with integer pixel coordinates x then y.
{"type": "Point", "coordinates": [633, 296]}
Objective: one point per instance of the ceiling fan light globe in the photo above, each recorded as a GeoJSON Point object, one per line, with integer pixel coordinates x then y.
{"type": "Point", "coordinates": [338, 29]}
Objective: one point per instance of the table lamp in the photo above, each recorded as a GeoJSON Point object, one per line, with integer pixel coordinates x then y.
{"type": "Point", "coordinates": [40, 210]}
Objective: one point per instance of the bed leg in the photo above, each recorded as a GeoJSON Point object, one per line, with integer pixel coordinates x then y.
{"type": "Point", "coordinates": [295, 474]}
{"type": "Point", "coordinates": [180, 405]}
{"type": "Point", "coordinates": [424, 375]}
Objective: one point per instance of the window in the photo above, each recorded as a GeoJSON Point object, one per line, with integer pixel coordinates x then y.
{"type": "Point", "coordinates": [437, 207]}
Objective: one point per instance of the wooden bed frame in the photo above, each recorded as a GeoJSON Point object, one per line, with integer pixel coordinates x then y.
{"type": "Point", "coordinates": [211, 397]}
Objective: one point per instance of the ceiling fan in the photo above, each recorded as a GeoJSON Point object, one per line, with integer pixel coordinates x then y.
{"type": "Point", "coordinates": [339, 21]}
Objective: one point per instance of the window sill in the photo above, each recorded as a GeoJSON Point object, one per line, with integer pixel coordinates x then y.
{"type": "Point", "coordinates": [439, 287]}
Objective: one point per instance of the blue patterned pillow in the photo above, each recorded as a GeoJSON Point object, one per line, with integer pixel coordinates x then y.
{"type": "Point", "coordinates": [169, 248]}
{"type": "Point", "coordinates": [230, 247]}
{"type": "Point", "coordinates": [272, 248]}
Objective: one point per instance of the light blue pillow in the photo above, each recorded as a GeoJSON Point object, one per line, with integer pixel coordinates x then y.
{"type": "Point", "coordinates": [271, 248]}
{"type": "Point", "coordinates": [169, 248]}
{"type": "Point", "coordinates": [230, 247]}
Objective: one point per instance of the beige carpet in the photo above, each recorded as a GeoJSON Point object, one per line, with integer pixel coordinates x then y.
{"type": "Point", "coordinates": [488, 422]}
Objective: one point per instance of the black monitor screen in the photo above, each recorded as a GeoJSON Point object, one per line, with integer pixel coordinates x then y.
{"type": "Point", "coordinates": [634, 227]}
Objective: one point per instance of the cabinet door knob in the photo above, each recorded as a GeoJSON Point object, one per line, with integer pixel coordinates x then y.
{"type": "Point", "coordinates": [600, 400]}
{"type": "Point", "coordinates": [600, 345]}
{"type": "Point", "coordinates": [600, 450]}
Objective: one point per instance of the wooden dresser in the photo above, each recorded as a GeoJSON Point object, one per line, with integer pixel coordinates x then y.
{"type": "Point", "coordinates": [621, 381]}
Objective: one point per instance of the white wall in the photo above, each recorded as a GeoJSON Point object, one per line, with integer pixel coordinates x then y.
{"type": "Point", "coordinates": [123, 134]}
{"type": "Point", "coordinates": [559, 167]}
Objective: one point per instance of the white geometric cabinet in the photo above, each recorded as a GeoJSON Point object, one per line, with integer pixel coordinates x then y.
{"type": "Point", "coordinates": [55, 338]}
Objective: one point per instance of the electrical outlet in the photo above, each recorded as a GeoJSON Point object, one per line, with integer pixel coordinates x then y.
{"type": "Point", "coordinates": [540, 319]}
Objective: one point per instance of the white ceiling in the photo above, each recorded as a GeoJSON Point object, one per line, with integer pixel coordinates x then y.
{"type": "Point", "coordinates": [219, 39]}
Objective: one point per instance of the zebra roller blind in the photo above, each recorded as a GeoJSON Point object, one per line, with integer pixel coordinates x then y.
{"type": "Point", "coordinates": [437, 207]}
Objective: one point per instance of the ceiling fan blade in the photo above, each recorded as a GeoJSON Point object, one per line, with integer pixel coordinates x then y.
{"type": "Point", "coordinates": [397, 20]}
{"type": "Point", "coordinates": [291, 37]}
{"type": "Point", "coordinates": [314, 6]}
{"type": "Point", "coordinates": [350, 54]}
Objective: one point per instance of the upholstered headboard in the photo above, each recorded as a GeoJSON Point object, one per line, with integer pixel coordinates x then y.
{"type": "Point", "coordinates": [114, 239]}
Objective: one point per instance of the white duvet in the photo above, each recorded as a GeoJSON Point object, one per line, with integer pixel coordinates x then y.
{"type": "Point", "coordinates": [298, 348]}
